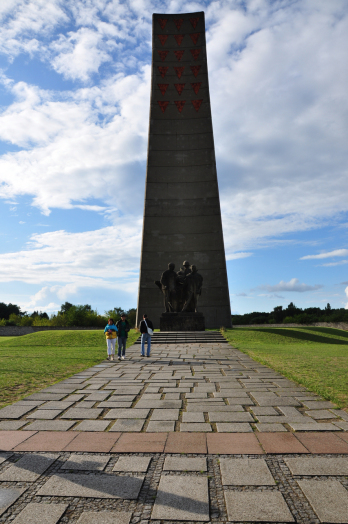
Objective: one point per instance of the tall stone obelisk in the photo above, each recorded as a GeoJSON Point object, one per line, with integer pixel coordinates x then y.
{"type": "Point", "coordinates": [182, 217]}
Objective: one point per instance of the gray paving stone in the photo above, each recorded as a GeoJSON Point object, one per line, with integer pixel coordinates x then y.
{"type": "Point", "coordinates": [182, 498]}
{"type": "Point", "coordinates": [15, 411]}
{"type": "Point", "coordinates": [240, 400]}
{"type": "Point", "coordinates": [195, 426]}
{"type": "Point", "coordinates": [92, 425]}
{"type": "Point", "coordinates": [317, 465]}
{"type": "Point", "coordinates": [45, 414]}
{"type": "Point", "coordinates": [29, 403]}
{"type": "Point", "coordinates": [313, 426]}
{"type": "Point", "coordinates": [86, 404]}
{"type": "Point", "coordinates": [80, 413]}
{"type": "Point", "coordinates": [212, 407]}
{"type": "Point", "coordinates": [165, 414]}
{"type": "Point", "coordinates": [121, 398]}
{"type": "Point", "coordinates": [97, 396]}
{"type": "Point", "coordinates": [159, 404]}
{"type": "Point", "coordinates": [56, 404]}
{"type": "Point", "coordinates": [265, 411]}
{"type": "Point", "coordinates": [245, 472]}
{"type": "Point", "coordinates": [47, 396]}
{"type": "Point", "coordinates": [127, 413]}
{"type": "Point", "coordinates": [110, 405]}
{"type": "Point", "coordinates": [320, 414]}
{"type": "Point", "coordinates": [28, 468]}
{"type": "Point", "coordinates": [342, 424]}
{"type": "Point", "coordinates": [73, 398]}
{"type": "Point", "coordinates": [193, 417]}
{"type": "Point", "coordinates": [35, 513]}
{"type": "Point", "coordinates": [328, 498]}
{"type": "Point", "coordinates": [340, 413]}
{"type": "Point", "coordinates": [172, 396]}
{"type": "Point", "coordinates": [132, 464]}
{"type": "Point", "coordinates": [160, 426]}
{"type": "Point", "coordinates": [128, 424]}
{"type": "Point", "coordinates": [185, 464]}
{"type": "Point", "coordinates": [280, 401]}
{"type": "Point", "coordinates": [97, 486]}
{"type": "Point", "coordinates": [4, 457]}
{"type": "Point", "coordinates": [49, 425]}
{"type": "Point", "coordinates": [267, 506]}
{"type": "Point", "coordinates": [11, 425]}
{"type": "Point", "coordinates": [270, 428]}
{"type": "Point", "coordinates": [86, 462]}
{"type": "Point", "coordinates": [233, 427]}
{"type": "Point", "coordinates": [230, 417]}
{"type": "Point", "coordinates": [317, 404]}
{"type": "Point", "coordinates": [105, 517]}
{"type": "Point", "coordinates": [8, 496]}
{"type": "Point", "coordinates": [197, 395]}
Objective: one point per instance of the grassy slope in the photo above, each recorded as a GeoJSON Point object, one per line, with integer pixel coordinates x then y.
{"type": "Point", "coordinates": [35, 361]}
{"type": "Point", "coordinates": [314, 357]}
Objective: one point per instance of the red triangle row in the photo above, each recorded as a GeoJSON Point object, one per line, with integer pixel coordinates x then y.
{"type": "Point", "coordinates": [178, 54]}
{"type": "Point", "coordinates": [179, 38]}
{"type": "Point", "coordinates": [178, 22]}
{"type": "Point", "coordinates": [180, 87]}
{"type": "Point", "coordinates": [179, 104]}
{"type": "Point", "coordinates": [179, 70]}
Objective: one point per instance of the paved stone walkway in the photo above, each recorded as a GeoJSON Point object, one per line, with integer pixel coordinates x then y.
{"type": "Point", "coordinates": [196, 433]}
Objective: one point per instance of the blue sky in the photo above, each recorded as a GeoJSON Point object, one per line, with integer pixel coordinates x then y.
{"type": "Point", "coordinates": [74, 109]}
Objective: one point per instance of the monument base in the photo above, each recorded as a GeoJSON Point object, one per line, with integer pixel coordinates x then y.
{"type": "Point", "coordinates": [182, 321]}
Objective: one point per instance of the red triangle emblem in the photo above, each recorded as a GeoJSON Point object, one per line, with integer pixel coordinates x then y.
{"type": "Point", "coordinates": [179, 38]}
{"type": "Point", "coordinates": [162, 22]}
{"type": "Point", "coordinates": [163, 88]}
{"type": "Point", "coordinates": [180, 104]}
{"type": "Point", "coordinates": [178, 22]}
{"type": "Point", "coordinates": [163, 105]}
{"type": "Point", "coordinates": [194, 37]}
{"type": "Point", "coordinates": [195, 87]}
{"type": "Point", "coordinates": [195, 69]}
{"type": "Point", "coordinates": [179, 54]}
{"type": "Point", "coordinates": [163, 54]}
{"type": "Point", "coordinates": [196, 104]}
{"type": "Point", "coordinates": [163, 38]}
{"type": "Point", "coordinates": [195, 53]}
{"type": "Point", "coordinates": [179, 71]}
{"type": "Point", "coordinates": [179, 88]}
{"type": "Point", "coordinates": [194, 22]}
{"type": "Point", "coordinates": [163, 70]}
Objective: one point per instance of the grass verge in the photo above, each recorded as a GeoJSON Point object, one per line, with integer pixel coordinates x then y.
{"type": "Point", "coordinates": [32, 362]}
{"type": "Point", "coordinates": [314, 357]}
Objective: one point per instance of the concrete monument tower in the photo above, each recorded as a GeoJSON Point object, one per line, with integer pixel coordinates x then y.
{"type": "Point", "coordinates": [182, 217]}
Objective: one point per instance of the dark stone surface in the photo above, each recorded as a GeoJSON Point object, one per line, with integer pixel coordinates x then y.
{"type": "Point", "coordinates": [182, 321]}
{"type": "Point", "coordinates": [182, 217]}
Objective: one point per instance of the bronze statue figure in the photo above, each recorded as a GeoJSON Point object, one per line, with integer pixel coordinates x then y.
{"type": "Point", "coordinates": [181, 289]}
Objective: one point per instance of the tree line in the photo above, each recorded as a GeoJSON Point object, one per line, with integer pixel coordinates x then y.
{"type": "Point", "coordinates": [293, 315]}
{"type": "Point", "coordinates": [69, 315]}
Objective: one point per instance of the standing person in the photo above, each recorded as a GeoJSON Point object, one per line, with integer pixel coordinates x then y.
{"type": "Point", "coordinates": [110, 333]}
{"type": "Point", "coordinates": [146, 330]}
{"type": "Point", "coordinates": [123, 328]}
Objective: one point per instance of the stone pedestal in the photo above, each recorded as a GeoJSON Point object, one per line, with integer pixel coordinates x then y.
{"type": "Point", "coordinates": [182, 322]}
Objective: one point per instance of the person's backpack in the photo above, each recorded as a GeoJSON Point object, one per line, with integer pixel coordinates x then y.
{"type": "Point", "coordinates": [149, 330]}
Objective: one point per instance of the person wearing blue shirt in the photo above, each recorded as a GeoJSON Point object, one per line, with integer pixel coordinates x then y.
{"type": "Point", "coordinates": [111, 335]}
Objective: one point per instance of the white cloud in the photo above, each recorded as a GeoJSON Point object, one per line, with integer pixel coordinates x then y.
{"type": "Point", "coordinates": [235, 256]}
{"type": "Point", "coordinates": [330, 264]}
{"type": "Point", "coordinates": [329, 254]}
{"type": "Point", "coordinates": [293, 285]}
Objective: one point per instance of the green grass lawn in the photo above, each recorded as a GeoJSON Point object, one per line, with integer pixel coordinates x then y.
{"type": "Point", "coordinates": [31, 362]}
{"type": "Point", "coordinates": [315, 357]}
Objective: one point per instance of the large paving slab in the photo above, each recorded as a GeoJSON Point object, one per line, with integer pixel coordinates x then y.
{"type": "Point", "coordinates": [96, 486]}
{"type": "Point", "coordinates": [257, 507]}
{"type": "Point", "coordinates": [28, 468]}
{"type": "Point", "coordinates": [245, 472]}
{"type": "Point", "coordinates": [328, 498]}
{"type": "Point", "coordinates": [182, 498]}
{"type": "Point", "coordinates": [35, 513]}
{"type": "Point", "coordinates": [86, 462]}
{"type": "Point", "coordinates": [105, 517]}
{"type": "Point", "coordinates": [317, 465]}
{"type": "Point", "coordinates": [8, 496]}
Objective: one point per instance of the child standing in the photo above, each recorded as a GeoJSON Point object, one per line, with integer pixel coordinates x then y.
{"type": "Point", "coordinates": [111, 334]}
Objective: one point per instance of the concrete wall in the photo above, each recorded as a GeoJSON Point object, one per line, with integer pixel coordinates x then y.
{"type": "Point", "coordinates": [9, 331]}
{"type": "Point", "coordinates": [336, 325]}
{"type": "Point", "coordinates": [182, 217]}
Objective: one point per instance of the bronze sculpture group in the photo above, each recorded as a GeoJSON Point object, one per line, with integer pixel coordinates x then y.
{"type": "Point", "coordinates": [181, 289]}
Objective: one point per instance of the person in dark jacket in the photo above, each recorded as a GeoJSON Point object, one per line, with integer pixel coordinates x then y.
{"type": "Point", "coordinates": [123, 329]}
{"type": "Point", "coordinates": [146, 330]}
